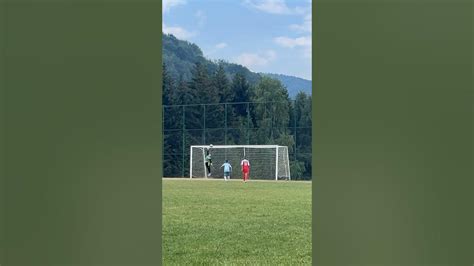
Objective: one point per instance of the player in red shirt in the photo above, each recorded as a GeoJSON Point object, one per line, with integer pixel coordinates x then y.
{"type": "Point", "coordinates": [245, 164]}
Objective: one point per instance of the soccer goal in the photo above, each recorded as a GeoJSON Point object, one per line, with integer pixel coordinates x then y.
{"type": "Point", "coordinates": [266, 161]}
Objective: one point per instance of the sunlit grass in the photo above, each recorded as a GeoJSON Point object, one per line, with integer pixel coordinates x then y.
{"type": "Point", "coordinates": [234, 223]}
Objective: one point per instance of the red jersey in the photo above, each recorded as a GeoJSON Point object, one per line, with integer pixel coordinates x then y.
{"type": "Point", "coordinates": [245, 165]}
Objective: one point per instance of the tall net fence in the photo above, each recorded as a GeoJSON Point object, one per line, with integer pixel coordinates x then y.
{"type": "Point", "coordinates": [249, 123]}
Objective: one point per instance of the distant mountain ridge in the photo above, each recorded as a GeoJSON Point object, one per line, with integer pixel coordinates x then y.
{"type": "Point", "coordinates": [293, 84]}
{"type": "Point", "coordinates": [181, 56]}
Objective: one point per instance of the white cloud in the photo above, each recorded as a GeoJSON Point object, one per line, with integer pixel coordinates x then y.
{"type": "Point", "coordinates": [216, 48]}
{"type": "Point", "coordinates": [294, 42]}
{"type": "Point", "coordinates": [201, 18]}
{"type": "Point", "coordinates": [168, 4]}
{"type": "Point", "coordinates": [273, 7]}
{"type": "Point", "coordinates": [178, 32]}
{"type": "Point", "coordinates": [252, 60]}
{"type": "Point", "coordinates": [306, 26]}
{"type": "Point", "coordinates": [269, 6]}
{"type": "Point", "coordinates": [301, 42]}
{"type": "Point", "coordinates": [221, 45]}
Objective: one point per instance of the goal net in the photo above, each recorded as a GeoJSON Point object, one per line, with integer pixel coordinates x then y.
{"type": "Point", "coordinates": [266, 161]}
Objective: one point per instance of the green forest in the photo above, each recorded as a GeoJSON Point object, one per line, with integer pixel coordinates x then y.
{"type": "Point", "coordinates": [208, 102]}
{"type": "Point", "coordinates": [180, 57]}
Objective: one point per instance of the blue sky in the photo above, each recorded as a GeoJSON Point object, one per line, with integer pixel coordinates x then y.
{"type": "Point", "coordinates": [272, 36]}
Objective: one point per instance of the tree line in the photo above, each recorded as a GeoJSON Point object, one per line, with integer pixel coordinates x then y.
{"type": "Point", "coordinates": [211, 107]}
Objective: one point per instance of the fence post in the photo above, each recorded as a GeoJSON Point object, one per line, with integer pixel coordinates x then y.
{"type": "Point", "coordinates": [248, 123]}
{"type": "Point", "coordinates": [272, 111]}
{"type": "Point", "coordinates": [204, 127]}
{"type": "Point", "coordinates": [225, 123]}
{"type": "Point", "coordinates": [184, 128]}
{"type": "Point", "coordinates": [163, 138]}
{"type": "Point", "coordinates": [294, 125]}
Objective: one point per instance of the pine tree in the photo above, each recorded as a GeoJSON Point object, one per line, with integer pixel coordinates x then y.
{"type": "Point", "coordinates": [168, 86]}
{"type": "Point", "coordinates": [241, 120]}
{"type": "Point", "coordinates": [209, 116]}
{"type": "Point", "coordinates": [302, 112]}
{"type": "Point", "coordinates": [222, 85]}
{"type": "Point", "coordinates": [171, 142]}
{"type": "Point", "coordinates": [202, 85]}
{"type": "Point", "coordinates": [183, 94]}
{"type": "Point", "coordinates": [271, 112]}
{"type": "Point", "coordinates": [241, 91]}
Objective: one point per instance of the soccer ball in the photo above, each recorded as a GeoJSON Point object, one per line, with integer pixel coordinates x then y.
{"type": "Point", "coordinates": [210, 146]}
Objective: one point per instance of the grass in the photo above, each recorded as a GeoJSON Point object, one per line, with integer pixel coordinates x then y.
{"type": "Point", "coordinates": [212, 222]}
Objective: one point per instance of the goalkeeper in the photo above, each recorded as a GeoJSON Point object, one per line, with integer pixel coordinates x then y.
{"type": "Point", "coordinates": [227, 169]}
{"type": "Point", "coordinates": [208, 163]}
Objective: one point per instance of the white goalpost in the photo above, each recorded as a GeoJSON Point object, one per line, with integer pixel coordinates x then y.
{"type": "Point", "coordinates": [267, 162]}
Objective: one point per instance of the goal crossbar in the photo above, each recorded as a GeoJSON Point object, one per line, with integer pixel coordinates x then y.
{"type": "Point", "coordinates": [236, 146]}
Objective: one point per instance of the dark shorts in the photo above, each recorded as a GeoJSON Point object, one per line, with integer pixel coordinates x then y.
{"type": "Point", "coordinates": [226, 173]}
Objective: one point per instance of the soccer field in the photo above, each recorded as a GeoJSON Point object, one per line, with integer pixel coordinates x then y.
{"type": "Point", "coordinates": [212, 222]}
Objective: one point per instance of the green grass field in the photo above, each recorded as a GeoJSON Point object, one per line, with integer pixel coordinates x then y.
{"type": "Point", "coordinates": [212, 222]}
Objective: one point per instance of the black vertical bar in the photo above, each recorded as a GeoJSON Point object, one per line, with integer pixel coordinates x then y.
{"type": "Point", "coordinates": [163, 138]}
{"type": "Point", "coordinates": [225, 123]}
{"type": "Point", "coordinates": [294, 125]}
{"type": "Point", "coordinates": [184, 127]}
{"type": "Point", "coordinates": [248, 123]}
{"type": "Point", "coordinates": [204, 127]}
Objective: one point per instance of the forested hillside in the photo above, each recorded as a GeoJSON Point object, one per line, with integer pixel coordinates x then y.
{"type": "Point", "coordinates": [293, 84]}
{"type": "Point", "coordinates": [219, 103]}
{"type": "Point", "coordinates": [180, 57]}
